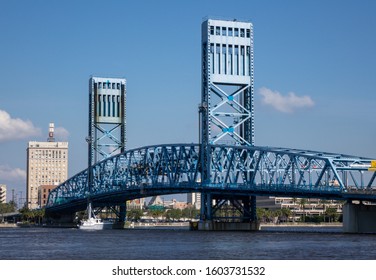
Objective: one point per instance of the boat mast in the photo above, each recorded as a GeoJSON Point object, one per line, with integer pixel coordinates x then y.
{"type": "Point", "coordinates": [89, 178]}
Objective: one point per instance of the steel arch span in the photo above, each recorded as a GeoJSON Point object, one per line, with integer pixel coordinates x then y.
{"type": "Point", "coordinates": [234, 171]}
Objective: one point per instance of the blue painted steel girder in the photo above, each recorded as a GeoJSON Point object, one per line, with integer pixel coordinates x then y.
{"type": "Point", "coordinates": [234, 171]}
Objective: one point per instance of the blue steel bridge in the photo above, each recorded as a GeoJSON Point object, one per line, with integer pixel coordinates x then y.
{"type": "Point", "coordinates": [235, 171]}
{"type": "Point", "coordinates": [223, 174]}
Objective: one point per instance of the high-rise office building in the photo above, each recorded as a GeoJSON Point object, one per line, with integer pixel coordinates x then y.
{"type": "Point", "coordinates": [194, 199]}
{"type": "Point", "coordinates": [47, 164]}
{"type": "Point", "coordinates": [3, 193]}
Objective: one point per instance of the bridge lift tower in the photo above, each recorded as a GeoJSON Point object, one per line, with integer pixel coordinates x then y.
{"type": "Point", "coordinates": [226, 109]}
{"type": "Point", "coordinates": [107, 122]}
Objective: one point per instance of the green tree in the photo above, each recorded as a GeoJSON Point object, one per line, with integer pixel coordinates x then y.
{"type": "Point", "coordinates": [156, 213]}
{"type": "Point", "coordinates": [174, 214]}
{"type": "Point", "coordinates": [32, 216]}
{"type": "Point", "coordinates": [286, 213]}
{"type": "Point", "coordinates": [277, 215]}
{"type": "Point", "coordinates": [26, 214]}
{"type": "Point", "coordinates": [260, 213]}
{"type": "Point", "coordinates": [332, 214]}
{"type": "Point", "coordinates": [265, 215]}
{"type": "Point", "coordinates": [302, 204]}
{"type": "Point", "coordinates": [39, 215]}
{"type": "Point", "coordinates": [190, 213]}
{"type": "Point", "coordinates": [134, 214]}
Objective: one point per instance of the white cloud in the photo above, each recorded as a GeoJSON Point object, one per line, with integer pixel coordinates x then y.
{"type": "Point", "coordinates": [9, 174]}
{"type": "Point", "coordinates": [285, 104]}
{"type": "Point", "coordinates": [61, 134]}
{"type": "Point", "coordinates": [13, 129]}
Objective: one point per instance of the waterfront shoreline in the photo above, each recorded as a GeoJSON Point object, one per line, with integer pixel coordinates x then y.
{"type": "Point", "coordinates": [8, 225]}
{"type": "Point", "coordinates": [303, 225]}
{"type": "Point", "coordinates": [183, 224]}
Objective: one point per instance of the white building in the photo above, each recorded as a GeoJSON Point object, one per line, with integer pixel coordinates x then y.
{"type": "Point", "coordinates": [194, 199]}
{"type": "Point", "coordinates": [47, 164]}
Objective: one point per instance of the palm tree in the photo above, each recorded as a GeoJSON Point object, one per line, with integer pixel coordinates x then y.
{"type": "Point", "coordinates": [260, 212]}
{"type": "Point", "coordinates": [302, 203]}
{"type": "Point", "coordinates": [277, 214]}
{"type": "Point", "coordinates": [286, 213]}
{"type": "Point", "coordinates": [294, 208]}
{"type": "Point", "coordinates": [324, 203]}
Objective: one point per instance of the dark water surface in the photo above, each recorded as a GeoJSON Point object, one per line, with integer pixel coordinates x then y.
{"type": "Point", "coordinates": [180, 243]}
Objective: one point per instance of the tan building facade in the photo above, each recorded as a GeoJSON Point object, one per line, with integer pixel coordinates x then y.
{"type": "Point", "coordinates": [47, 164]}
{"type": "Point", "coordinates": [43, 193]}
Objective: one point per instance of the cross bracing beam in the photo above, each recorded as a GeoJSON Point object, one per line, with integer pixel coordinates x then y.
{"type": "Point", "coordinates": [234, 170]}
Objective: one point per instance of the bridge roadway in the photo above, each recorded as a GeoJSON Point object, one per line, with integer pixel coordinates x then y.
{"type": "Point", "coordinates": [234, 171]}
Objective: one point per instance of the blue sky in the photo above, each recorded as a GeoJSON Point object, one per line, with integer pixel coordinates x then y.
{"type": "Point", "coordinates": [315, 72]}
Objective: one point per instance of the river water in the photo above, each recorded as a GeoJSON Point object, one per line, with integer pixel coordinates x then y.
{"type": "Point", "coordinates": [271, 243]}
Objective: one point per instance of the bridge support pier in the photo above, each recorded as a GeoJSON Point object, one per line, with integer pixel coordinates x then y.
{"type": "Point", "coordinates": [122, 219]}
{"type": "Point", "coordinates": [233, 226]}
{"type": "Point", "coordinates": [211, 219]}
{"type": "Point", "coordinates": [359, 218]}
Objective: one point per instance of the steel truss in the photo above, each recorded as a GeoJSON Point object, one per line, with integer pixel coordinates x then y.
{"type": "Point", "coordinates": [235, 173]}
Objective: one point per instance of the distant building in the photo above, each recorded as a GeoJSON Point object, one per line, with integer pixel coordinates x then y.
{"type": "Point", "coordinates": [43, 193]}
{"type": "Point", "coordinates": [3, 193]}
{"type": "Point", "coordinates": [47, 164]}
{"type": "Point", "coordinates": [136, 204]}
{"type": "Point", "coordinates": [179, 205]}
{"type": "Point", "coordinates": [194, 199]}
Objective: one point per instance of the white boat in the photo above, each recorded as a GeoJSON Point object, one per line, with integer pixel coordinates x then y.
{"type": "Point", "coordinates": [92, 222]}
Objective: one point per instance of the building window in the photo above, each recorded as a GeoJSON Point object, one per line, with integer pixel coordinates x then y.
{"type": "Point", "coordinates": [118, 86]}
{"type": "Point", "coordinates": [230, 31]}
{"type": "Point", "coordinates": [218, 59]}
{"type": "Point", "coordinates": [99, 85]}
{"type": "Point", "coordinates": [211, 30]}
{"type": "Point", "coordinates": [104, 85]}
{"type": "Point", "coordinates": [242, 32]}
{"type": "Point", "coordinates": [224, 59]}
{"type": "Point", "coordinates": [236, 32]}
{"type": "Point", "coordinates": [217, 30]}
{"type": "Point", "coordinates": [104, 105]}
{"type": "Point", "coordinates": [113, 105]}
{"type": "Point", "coordinates": [99, 111]}
{"type": "Point", "coordinates": [224, 31]}
{"type": "Point", "coordinates": [108, 106]}
{"type": "Point", "coordinates": [248, 33]}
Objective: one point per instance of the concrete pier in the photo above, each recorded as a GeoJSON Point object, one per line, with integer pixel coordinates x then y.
{"type": "Point", "coordinates": [359, 218]}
